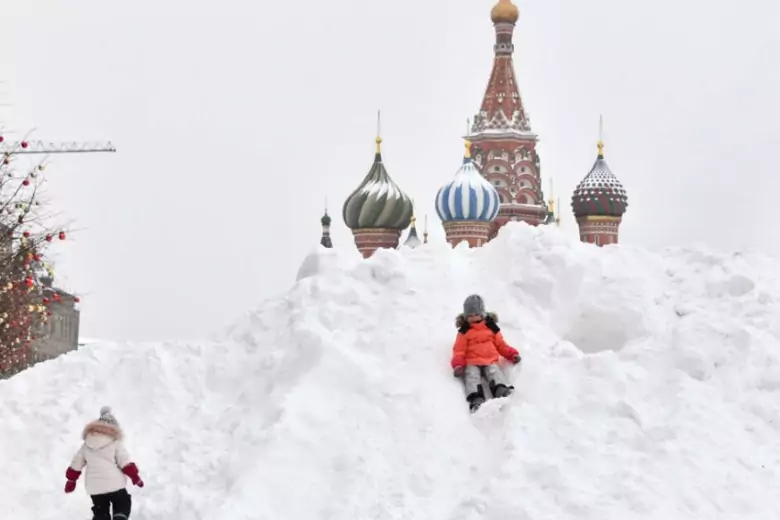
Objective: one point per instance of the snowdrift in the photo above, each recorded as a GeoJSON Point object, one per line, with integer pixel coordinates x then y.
{"type": "Point", "coordinates": [649, 389]}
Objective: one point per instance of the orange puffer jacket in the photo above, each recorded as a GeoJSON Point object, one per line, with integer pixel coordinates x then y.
{"type": "Point", "coordinates": [480, 343]}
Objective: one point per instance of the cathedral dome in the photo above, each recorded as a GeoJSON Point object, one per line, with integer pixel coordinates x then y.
{"type": "Point", "coordinates": [600, 193]}
{"type": "Point", "coordinates": [505, 12]}
{"type": "Point", "coordinates": [468, 196]}
{"type": "Point", "coordinates": [378, 202]}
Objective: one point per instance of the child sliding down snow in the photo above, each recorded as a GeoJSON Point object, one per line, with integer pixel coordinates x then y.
{"type": "Point", "coordinates": [108, 466]}
{"type": "Point", "coordinates": [475, 353]}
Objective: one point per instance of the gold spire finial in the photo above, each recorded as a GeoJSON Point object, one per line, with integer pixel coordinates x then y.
{"type": "Point", "coordinates": [600, 143]}
{"type": "Point", "coordinates": [551, 201]}
{"type": "Point", "coordinates": [551, 205]}
{"type": "Point", "coordinates": [378, 132]}
{"type": "Point", "coordinates": [467, 154]}
{"type": "Point", "coordinates": [505, 12]}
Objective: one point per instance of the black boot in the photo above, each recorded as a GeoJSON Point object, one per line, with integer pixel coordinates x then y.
{"type": "Point", "coordinates": [502, 391]}
{"type": "Point", "coordinates": [476, 399]}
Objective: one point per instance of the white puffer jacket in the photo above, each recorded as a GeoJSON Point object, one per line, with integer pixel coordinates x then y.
{"type": "Point", "coordinates": [104, 456]}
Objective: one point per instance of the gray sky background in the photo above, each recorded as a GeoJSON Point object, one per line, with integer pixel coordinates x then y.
{"type": "Point", "coordinates": [234, 120]}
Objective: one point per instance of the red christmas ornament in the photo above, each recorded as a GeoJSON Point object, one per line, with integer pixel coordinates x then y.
{"type": "Point", "coordinates": [76, 299]}
{"type": "Point", "coordinates": [56, 297]}
{"type": "Point", "coordinates": [37, 257]}
{"type": "Point", "coordinates": [29, 281]}
{"type": "Point", "coordinates": [26, 182]}
{"type": "Point", "coordinates": [45, 301]}
{"type": "Point", "coordinates": [62, 235]}
{"type": "Point", "coordinates": [26, 234]}
{"type": "Point", "coordinates": [49, 238]}
{"type": "Point", "coordinates": [2, 138]}
{"type": "Point", "coordinates": [24, 144]}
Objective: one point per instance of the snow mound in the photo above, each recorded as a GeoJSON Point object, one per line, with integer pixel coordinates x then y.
{"type": "Point", "coordinates": [649, 389]}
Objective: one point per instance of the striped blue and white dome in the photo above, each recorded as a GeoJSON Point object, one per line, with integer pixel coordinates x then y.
{"type": "Point", "coordinates": [468, 196]}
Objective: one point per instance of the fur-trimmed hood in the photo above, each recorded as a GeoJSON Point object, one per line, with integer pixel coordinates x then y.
{"type": "Point", "coordinates": [98, 433]}
{"type": "Point", "coordinates": [461, 321]}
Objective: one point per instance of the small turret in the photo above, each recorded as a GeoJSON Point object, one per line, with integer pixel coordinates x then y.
{"type": "Point", "coordinates": [412, 240]}
{"type": "Point", "coordinates": [325, 241]}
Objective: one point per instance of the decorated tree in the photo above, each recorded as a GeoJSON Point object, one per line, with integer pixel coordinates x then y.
{"type": "Point", "coordinates": [26, 234]}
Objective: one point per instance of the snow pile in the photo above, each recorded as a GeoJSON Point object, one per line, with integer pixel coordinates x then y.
{"type": "Point", "coordinates": [649, 389]}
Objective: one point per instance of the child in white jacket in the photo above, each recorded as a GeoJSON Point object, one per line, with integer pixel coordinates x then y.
{"type": "Point", "coordinates": [108, 466]}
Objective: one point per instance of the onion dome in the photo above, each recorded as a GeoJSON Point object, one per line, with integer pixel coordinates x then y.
{"type": "Point", "coordinates": [468, 196]}
{"type": "Point", "coordinates": [325, 220]}
{"type": "Point", "coordinates": [505, 12]}
{"type": "Point", "coordinates": [378, 202]}
{"type": "Point", "coordinates": [600, 192]}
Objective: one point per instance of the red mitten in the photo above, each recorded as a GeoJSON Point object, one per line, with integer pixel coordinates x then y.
{"type": "Point", "coordinates": [72, 475]}
{"type": "Point", "coordinates": [131, 470]}
{"type": "Point", "coordinates": [457, 361]}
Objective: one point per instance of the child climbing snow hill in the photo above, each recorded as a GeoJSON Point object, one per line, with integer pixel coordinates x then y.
{"type": "Point", "coordinates": [107, 467]}
{"type": "Point", "coordinates": [476, 352]}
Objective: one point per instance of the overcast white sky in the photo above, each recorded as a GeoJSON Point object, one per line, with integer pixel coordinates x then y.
{"type": "Point", "coordinates": [234, 120]}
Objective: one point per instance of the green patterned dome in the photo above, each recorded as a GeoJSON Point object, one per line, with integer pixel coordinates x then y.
{"type": "Point", "coordinates": [378, 202]}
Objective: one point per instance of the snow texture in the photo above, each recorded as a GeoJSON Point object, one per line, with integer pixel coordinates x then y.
{"type": "Point", "coordinates": [649, 389]}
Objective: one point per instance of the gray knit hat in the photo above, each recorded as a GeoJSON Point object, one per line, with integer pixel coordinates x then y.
{"type": "Point", "coordinates": [107, 417]}
{"type": "Point", "coordinates": [474, 305]}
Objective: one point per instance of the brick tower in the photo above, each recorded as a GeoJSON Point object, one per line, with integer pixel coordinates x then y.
{"type": "Point", "coordinates": [377, 211]}
{"type": "Point", "coordinates": [504, 145]}
{"type": "Point", "coordinates": [599, 202]}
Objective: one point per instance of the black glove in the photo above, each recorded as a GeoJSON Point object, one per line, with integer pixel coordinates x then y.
{"type": "Point", "coordinates": [517, 359]}
{"type": "Point", "coordinates": [457, 372]}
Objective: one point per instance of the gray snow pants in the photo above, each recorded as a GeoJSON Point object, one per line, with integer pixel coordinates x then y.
{"type": "Point", "coordinates": [472, 377]}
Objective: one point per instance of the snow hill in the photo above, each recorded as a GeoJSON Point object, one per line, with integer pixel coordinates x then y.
{"type": "Point", "coordinates": [650, 388]}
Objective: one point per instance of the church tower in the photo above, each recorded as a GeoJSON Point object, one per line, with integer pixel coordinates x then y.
{"type": "Point", "coordinates": [467, 205]}
{"type": "Point", "coordinates": [377, 211]}
{"type": "Point", "coordinates": [599, 202]}
{"type": "Point", "coordinates": [504, 147]}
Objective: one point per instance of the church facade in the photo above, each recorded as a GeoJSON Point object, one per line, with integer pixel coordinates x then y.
{"type": "Point", "coordinates": [499, 181]}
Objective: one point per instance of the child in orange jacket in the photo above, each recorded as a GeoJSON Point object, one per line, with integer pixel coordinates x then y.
{"type": "Point", "coordinates": [476, 352]}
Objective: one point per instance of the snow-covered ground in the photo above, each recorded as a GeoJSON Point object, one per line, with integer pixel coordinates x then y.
{"type": "Point", "coordinates": [650, 388]}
